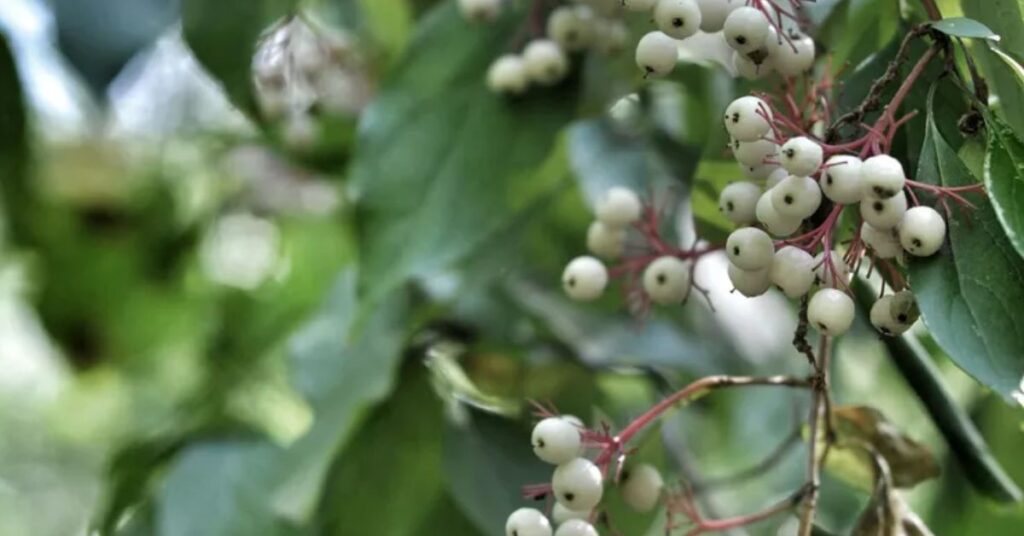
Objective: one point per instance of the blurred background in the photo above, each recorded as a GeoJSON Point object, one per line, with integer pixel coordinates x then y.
{"type": "Point", "coordinates": [241, 294]}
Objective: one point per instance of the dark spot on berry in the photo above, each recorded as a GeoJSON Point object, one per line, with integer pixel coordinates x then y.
{"type": "Point", "coordinates": [736, 117]}
{"type": "Point", "coordinates": [571, 282]}
{"type": "Point", "coordinates": [741, 39]}
{"type": "Point", "coordinates": [540, 443]}
{"type": "Point", "coordinates": [828, 179]}
{"type": "Point", "coordinates": [916, 242]}
{"type": "Point", "coordinates": [729, 206]}
{"type": "Point", "coordinates": [661, 279]}
{"type": "Point", "coordinates": [902, 317]}
{"type": "Point", "coordinates": [736, 250]}
{"type": "Point", "coordinates": [678, 22]}
{"type": "Point", "coordinates": [569, 496]}
{"type": "Point", "coordinates": [788, 199]}
{"type": "Point", "coordinates": [878, 206]}
{"type": "Point", "coordinates": [822, 326]}
{"type": "Point", "coordinates": [790, 153]}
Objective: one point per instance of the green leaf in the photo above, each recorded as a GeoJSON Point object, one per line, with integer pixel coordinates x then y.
{"type": "Point", "coordinates": [1004, 178]}
{"type": "Point", "coordinates": [15, 191]}
{"type": "Point", "coordinates": [970, 293]}
{"type": "Point", "coordinates": [257, 487]}
{"type": "Point", "coordinates": [358, 487]}
{"type": "Point", "coordinates": [487, 460]}
{"type": "Point", "coordinates": [964, 27]}
{"type": "Point", "coordinates": [1004, 17]}
{"type": "Point", "coordinates": [965, 441]}
{"type": "Point", "coordinates": [443, 162]}
{"type": "Point", "coordinates": [223, 35]}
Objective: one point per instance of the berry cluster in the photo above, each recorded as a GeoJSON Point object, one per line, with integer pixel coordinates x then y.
{"type": "Point", "coordinates": [545, 60]}
{"type": "Point", "coordinates": [300, 68]}
{"type": "Point", "coordinates": [577, 483]}
{"type": "Point", "coordinates": [764, 35]}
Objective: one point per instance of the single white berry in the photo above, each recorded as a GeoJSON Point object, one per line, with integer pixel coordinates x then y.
{"type": "Point", "coordinates": [747, 118]}
{"type": "Point", "coordinates": [883, 319]}
{"type": "Point", "coordinates": [750, 283]}
{"type": "Point", "coordinates": [639, 5]}
{"type": "Point", "coordinates": [527, 522]}
{"type": "Point", "coordinates": [792, 57]}
{"type": "Point", "coordinates": [479, 10]}
{"type": "Point", "coordinates": [824, 272]}
{"type": "Point", "coordinates": [753, 66]}
{"type": "Point", "coordinates": [657, 54]}
{"type": "Point", "coordinates": [677, 18]}
{"type": "Point", "coordinates": [584, 279]}
{"type": "Point", "coordinates": [546, 62]}
{"type": "Point", "coordinates": [738, 202]}
{"type": "Point", "coordinates": [571, 27]}
{"type": "Point", "coordinates": [775, 223]}
{"type": "Point", "coordinates": [754, 153]}
{"type": "Point", "coordinates": [508, 75]}
{"type": "Point", "coordinates": [746, 29]}
{"type": "Point", "coordinates": [604, 241]}
{"type": "Point", "coordinates": [882, 177]}
{"type": "Point", "coordinates": [831, 311]}
{"type": "Point", "coordinates": [841, 180]}
{"type": "Point", "coordinates": [577, 484]}
{"type": "Point", "coordinates": [884, 244]}
{"type": "Point", "coordinates": [759, 172]}
{"type": "Point", "coordinates": [884, 214]}
{"type": "Point", "coordinates": [610, 37]}
{"type": "Point", "coordinates": [561, 514]}
{"type": "Point", "coordinates": [641, 487]}
{"type": "Point", "coordinates": [777, 175]}
{"type": "Point", "coordinates": [922, 231]}
{"type": "Point", "coordinates": [714, 13]}
{"type": "Point", "coordinates": [576, 527]}
{"type": "Point", "coordinates": [556, 440]}
{"type": "Point", "coordinates": [796, 197]}
{"type": "Point", "coordinates": [793, 271]}
{"type": "Point", "coordinates": [667, 280]}
{"type": "Point", "coordinates": [750, 248]}
{"type": "Point", "coordinates": [801, 156]}
{"type": "Point", "coordinates": [618, 207]}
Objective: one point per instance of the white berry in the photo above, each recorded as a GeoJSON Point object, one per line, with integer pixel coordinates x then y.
{"type": "Point", "coordinates": [618, 207]}
{"type": "Point", "coordinates": [657, 54]}
{"type": "Point", "coordinates": [480, 10]}
{"type": "Point", "coordinates": [714, 13]}
{"type": "Point", "coordinates": [738, 202]}
{"type": "Point", "coordinates": [801, 156]}
{"type": "Point", "coordinates": [883, 244]}
{"type": "Point", "coordinates": [796, 197]}
{"type": "Point", "coordinates": [508, 75]}
{"type": "Point", "coordinates": [793, 271]}
{"type": "Point", "coordinates": [527, 522]}
{"type": "Point", "coordinates": [561, 514]}
{"type": "Point", "coordinates": [841, 180]}
{"type": "Point", "coordinates": [677, 18]}
{"type": "Point", "coordinates": [585, 279]}
{"type": "Point", "coordinates": [578, 484]}
{"type": "Point", "coordinates": [750, 283]}
{"type": "Point", "coordinates": [746, 119]}
{"type": "Point", "coordinates": [882, 177]}
{"type": "Point", "coordinates": [746, 29]}
{"type": "Point", "coordinates": [884, 214]}
{"type": "Point", "coordinates": [792, 57]}
{"type": "Point", "coordinates": [604, 241]}
{"type": "Point", "coordinates": [570, 27]}
{"type": "Point", "coordinates": [775, 177]}
{"type": "Point", "coordinates": [759, 172]}
{"type": "Point", "coordinates": [775, 223]}
{"type": "Point", "coordinates": [838, 268]}
{"type": "Point", "coordinates": [922, 231]}
{"type": "Point", "coordinates": [639, 5]}
{"type": "Point", "coordinates": [754, 153]}
{"type": "Point", "coordinates": [883, 319]}
{"type": "Point", "coordinates": [667, 281]}
{"type": "Point", "coordinates": [750, 248]}
{"type": "Point", "coordinates": [831, 311]}
{"type": "Point", "coordinates": [556, 440]}
{"type": "Point", "coordinates": [641, 487]}
{"type": "Point", "coordinates": [546, 62]}
{"type": "Point", "coordinates": [576, 527]}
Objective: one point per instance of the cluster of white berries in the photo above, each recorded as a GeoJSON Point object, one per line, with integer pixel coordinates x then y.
{"type": "Point", "coordinates": [297, 68]}
{"type": "Point", "coordinates": [783, 192]}
{"type": "Point", "coordinates": [666, 280]}
{"type": "Point", "coordinates": [584, 25]}
{"type": "Point", "coordinates": [577, 484]}
{"type": "Point", "coordinates": [759, 48]}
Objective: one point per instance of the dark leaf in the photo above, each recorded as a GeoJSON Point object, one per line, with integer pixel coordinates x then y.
{"type": "Point", "coordinates": [964, 27]}
{"type": "Point", "coordinates": [1005, 18]}
{"type": "Point", "coordinates": [1004, 178]}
